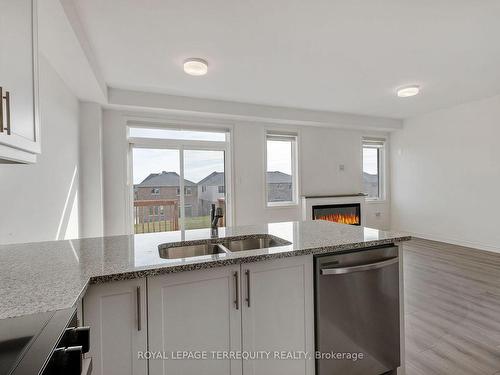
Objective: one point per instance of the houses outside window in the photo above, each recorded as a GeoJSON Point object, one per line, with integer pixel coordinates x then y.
{"type": "Point", "coordinates": [188, 167]}
{"type": "Point", "coordinates": [187, 191]}
{"type": "Point", "coordinates": [281, 169]}
{"type": "Point", "coordinates": [373, 168]}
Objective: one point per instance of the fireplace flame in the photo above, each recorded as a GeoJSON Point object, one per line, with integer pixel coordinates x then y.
{"type": "Point", "coordinates": [351, 219]}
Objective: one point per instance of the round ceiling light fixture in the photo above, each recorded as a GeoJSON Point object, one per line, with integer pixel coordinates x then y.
{"type": "Point", "coordinates": [195, 66]}
{"type": "Point", "coordinates": [407, 91]}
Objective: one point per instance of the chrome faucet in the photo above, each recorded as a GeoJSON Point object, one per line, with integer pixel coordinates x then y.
{"type": "Point", "coordinates": [215, 215]}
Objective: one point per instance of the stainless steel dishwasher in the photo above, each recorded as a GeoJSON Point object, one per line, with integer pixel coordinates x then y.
{"type": "Point", "coordinates": [357, 312]}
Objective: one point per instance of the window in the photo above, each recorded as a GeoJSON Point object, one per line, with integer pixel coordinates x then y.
{"type": "Point", "coordinates": [281, 169]}
{"type": "Point", "coordinates": [165, 133]}
{"type": "Point", "coordinates": [187, 191]}
{"type": "Point", "coordinates": [178, 162]}
{"type": "Point", "coordinates": [373, 156]}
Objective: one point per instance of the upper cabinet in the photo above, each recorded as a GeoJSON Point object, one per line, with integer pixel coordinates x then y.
{"type": "Point", "coordinates": [19, 123]}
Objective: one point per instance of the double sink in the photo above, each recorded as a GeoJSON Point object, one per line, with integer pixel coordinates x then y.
{"type": "Point", "coordinates": [222, 246]}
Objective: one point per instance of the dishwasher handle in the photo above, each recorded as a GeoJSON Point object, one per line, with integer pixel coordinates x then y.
{"type": "Point", "coordinates": [362, 267]}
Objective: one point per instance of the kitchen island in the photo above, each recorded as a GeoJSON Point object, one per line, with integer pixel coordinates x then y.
{"type": "Point", "coordinates": [135, 300]}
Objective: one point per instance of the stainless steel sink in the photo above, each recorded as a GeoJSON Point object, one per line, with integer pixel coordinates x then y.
{"type": "Point", "coordinates": [254, 243]}
{"type": "Point", "coordinates": [176, 252]}
{"type": "Point", "coordinates": [220, 246]}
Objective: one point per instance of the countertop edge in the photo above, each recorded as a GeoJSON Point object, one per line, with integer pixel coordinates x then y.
{"type": "Point", "coordinates": [162, 269]}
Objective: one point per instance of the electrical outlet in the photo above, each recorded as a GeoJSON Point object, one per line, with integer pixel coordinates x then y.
{"type": "Point", "coordinates": [341, 167]}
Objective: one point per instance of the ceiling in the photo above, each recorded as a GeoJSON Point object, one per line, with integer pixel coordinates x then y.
{"type": "Point", "coordinates": [334, 55]}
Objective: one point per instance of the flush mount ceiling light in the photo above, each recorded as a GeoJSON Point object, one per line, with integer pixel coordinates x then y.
{"type": "Point", "coordinates": [407, 91]}
{"type": "Point", "coordinates": [195, 67]}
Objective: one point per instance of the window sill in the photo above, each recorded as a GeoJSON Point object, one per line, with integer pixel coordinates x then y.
{"type": "Point", "coordinates": [375, 201]}
{"type": "Point", "coordinates": [282, 205]}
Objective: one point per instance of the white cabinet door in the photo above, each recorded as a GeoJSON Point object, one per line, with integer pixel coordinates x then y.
{"type": "Point", "coordinates": [195, 311]}
{"type": "Point", "coordinates": [278, 314]}
{"type": "Point", "coordinates": [117, 315]}
{"type": "Point", "coordinates": [18, 76]}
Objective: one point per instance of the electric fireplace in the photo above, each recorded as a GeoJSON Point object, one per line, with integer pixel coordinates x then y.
{"type": "Point", "coordinates": [346, 208]}
{"type": "Point", "coordinates": [349, 213]}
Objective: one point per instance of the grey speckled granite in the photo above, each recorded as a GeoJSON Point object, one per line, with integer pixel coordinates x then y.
{"type": "Point", "coordinates": [45, 276]}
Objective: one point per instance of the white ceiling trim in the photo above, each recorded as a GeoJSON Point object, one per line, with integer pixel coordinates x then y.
{"type": "Point", "coordinates": [138, 100]}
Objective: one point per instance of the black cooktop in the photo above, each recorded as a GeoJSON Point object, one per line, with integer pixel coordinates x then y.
{"type": "Point", "coordinates": [16, 337]}
{"type": "Point", "coordinates": [27, 342]}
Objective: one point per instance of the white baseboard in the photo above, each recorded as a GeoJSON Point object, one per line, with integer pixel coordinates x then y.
{"type": "Point", "coordinates": [474, 245]}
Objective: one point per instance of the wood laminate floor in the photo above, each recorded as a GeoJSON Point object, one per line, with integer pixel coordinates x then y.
{"type": "Point", "coordinates": [452, 309]}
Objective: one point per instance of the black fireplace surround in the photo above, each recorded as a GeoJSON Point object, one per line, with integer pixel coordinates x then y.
{"type": "Point", "coordinates": [346, 213]}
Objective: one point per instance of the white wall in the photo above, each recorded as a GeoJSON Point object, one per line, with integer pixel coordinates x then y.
{"type": "Point", "coordinates": [115, 190]}
{"type": "Point", "coordinates": [40, 202]}
{"type": "Point", "coordinates": [91, 197]}
{"type": "Point", "coordinates": [321, 150]}
{"type": "Point", "coordinates": [249, 193]}
{"type": "Point", "coordinates": [446, 175]}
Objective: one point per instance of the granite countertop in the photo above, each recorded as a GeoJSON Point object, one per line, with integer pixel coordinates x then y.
{"type": "Point", "coordinates": [46, 276]}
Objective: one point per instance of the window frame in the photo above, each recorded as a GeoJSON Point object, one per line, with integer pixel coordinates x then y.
{"type": "Point", "coordinates": [293, 137]}
{"type": "Point", "coordinates": [380, 144]}
{"type": "Point", "coordinates": [181, 145]}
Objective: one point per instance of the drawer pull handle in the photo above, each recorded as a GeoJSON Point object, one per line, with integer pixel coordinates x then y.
{"type": "Point", "coordinates": [236, 291]}
{"type": "Point", "coordinates": [7, 111]}
{"type": "Point", "coordinates": [7, 105]}
{"type": "Point", "coordinates": [247, 273]}
{"type": "Point", "coordinates": [138, 291]}
{"type": "Point", "coordinates": [1, 109]}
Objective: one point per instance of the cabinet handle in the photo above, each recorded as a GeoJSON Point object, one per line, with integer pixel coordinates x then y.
{"type": "Point", "coordinates": [1, 109]}
{"type": "Point", "coordinates": [138, 291]}
{"type": "Point", "coordinates": [7, 105]}
{"type": "Point", "coordinates": [247, 273]}
{"type": "Point", "coordinates": [237, 291]}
